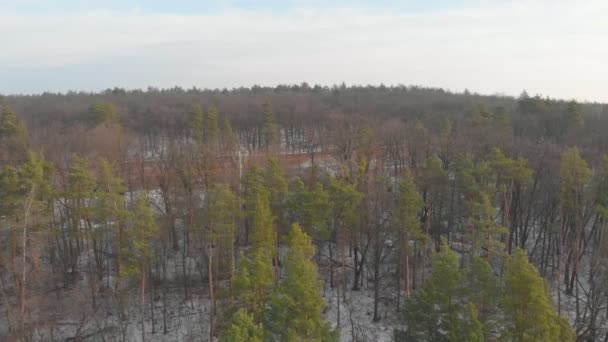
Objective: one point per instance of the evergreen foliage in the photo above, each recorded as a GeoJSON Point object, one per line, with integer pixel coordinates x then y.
{"type": "Point", "coordinates": [197, 123]}
{"type": "Point", "coordinates": [137, 249]}
{"type": "Point", "coordinates": [296, 307]}
{"type": "Point", "coordinates": [243, 328]}
{"type": "Point", "coordinates": [104, 113]}
{"type": "Point", "coordinates": [527, 305]}
{"type": "Point", "coordinates": [211, 126]}
{"type": "Point", "coordinates": [271, 131]}
{"type": "Point", "coordinates": [475, 305]}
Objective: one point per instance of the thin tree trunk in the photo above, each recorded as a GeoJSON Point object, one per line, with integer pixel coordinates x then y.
{"type": "Point", "coordinates": [559, 261]}
{"type": "Point", "coordinates": [407, 275]}
{"type": "Point", "coordinates": [211, 294]}
{"type": "Point", "coordinates": [118, 253]}
{"type": "Point", "coordinates": [338, 307]}
{"type": "Point", "coordinates": [357, 269]}
{"type": "Point", "coordinates": [376, 284]}
{"type": "Point", "coordinates": [151, 295]}
{"type": "Point", "coordinates": [276, 255]}
{"type": "Point", "coordinates": [232, 258]}
{"type": "Point", "coordinates": [24, 260]}
{"type": "Point", "coordinates": [343, 271]}
{"type": "Point", "coordinates": [398, 285]}
{"type": "Point", "coordinates": [143, 305]}
{"type": "Point", "coordinates": [331, 265]}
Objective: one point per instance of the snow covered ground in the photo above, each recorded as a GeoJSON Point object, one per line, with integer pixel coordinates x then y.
{"type": "Point", "coordinates": [356, 317]}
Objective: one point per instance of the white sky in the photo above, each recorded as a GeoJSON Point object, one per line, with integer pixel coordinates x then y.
{"type": "Point", "coordinates": [555, 48]}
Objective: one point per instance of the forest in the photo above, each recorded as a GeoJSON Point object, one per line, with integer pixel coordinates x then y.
{"type": "Point", "coordinates": [302, 213]}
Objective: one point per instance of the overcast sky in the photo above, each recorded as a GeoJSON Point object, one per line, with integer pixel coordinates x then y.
{"type": "Point", "coordinates": [554, 48]}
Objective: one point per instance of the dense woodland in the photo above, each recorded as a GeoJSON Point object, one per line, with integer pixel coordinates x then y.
{"type": "Point", "coordinates": [251, 214]}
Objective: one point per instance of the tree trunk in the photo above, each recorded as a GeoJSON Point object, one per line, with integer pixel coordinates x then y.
{"type": "Point", "coordinates": [276, 255]}
{"type": "Point", "coordinates": [143, 303]}
{"type": "Point", "coordinates": [338, 307]}
{"type": "Point", "coordinates": [398, 283]}
{"type": "Point", "coordinates": [24, 261]}
{"type": "Point", "coordinates": [376, 285]}
{"type": "Point", "coordinates": [151, 295]}
{"type": "Point", "coordinates": [331, 265]}
{"type": "Point", "coordinates": [343, 271]}
{"type": "Point", "coordinates": [559, 261]}
{"type": "Point", "coordinates": [407, 275]}
{"type": "Point", "coordinates": [118, 253]}
{"type": "Point", "coordinates": [357, 269]}
{"type": "Point", "coordinates": [211, 294]}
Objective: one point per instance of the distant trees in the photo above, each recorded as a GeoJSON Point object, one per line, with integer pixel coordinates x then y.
{"type": "Point", "coordinates": [103, 113]}
{"type": "Point", "coordinates": [270, 129]}
{"type": "Point", "coordinates": [197, 123]}
{"type": "Point", "coordinates": [13, 138]}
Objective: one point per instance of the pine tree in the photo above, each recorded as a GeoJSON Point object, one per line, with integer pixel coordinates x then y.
{"type": "Point", "coordinates": [432, 182]}
{"type": "Point", "coordinates": [275, 182]}
{"type": "Point", "coordinates": [254, 278]}
{"type": "Point", "coordinates": [13, 138]}
{"type": "Point", "coordinates": [482, 290]}
{"type": "Point", "coordinates": [243, 328]}
{"type": "Point", "coordinates": [575, 175]}
{"type": "Point", "coordinates": [254, 184]}
{"type": "Point", "coordinates": [432, 314]}
{"type": "Point", "coordinates": [271, 132]}
{"type": "Point", "coordinates": [9, 124]}
{"type": "Point", "coordinates": [137, 248]}
{"type": "Point", "coordinates": [81, 185]}
{"type": "Point", "coordinates": [104, 113]}
{"type": "Point", "coordinates": [81, 180]}
{"type": "Point", "coordinates": [475, 183]}
{"type": "Point", "coordinates": [211, 125]}
{"type": "Point", "coordinates": [222, 212]}
{"type": "Point", "coordinates": [469, 329]}
{"type": "Point", "coordinates": [197, 123]}
{"type": "Point", "coordinates": [262, 234]}
{"type": "Point", "coordinates": [296, 309]}
{"type": "Point", "coordinates": [601, 194]}
{"type": "Point", "coordinates": [109, 206]}
{"type": "Point", "coordinates": [229, 142]}
{"type": "Point", "coordinates": [409, 204]}
{"type": "Point", "coordinates": [311, 208]}
{"type": "Point", "coordinates": [433, 177]}
{"type": "Point", "coordinates": [26, 191]}
{"type": "Point", "coordinates": [574, 115]}
{"type": "Point", "coordinates": [9, 191]}
{"type": "Point", "coordinates": [509, 174]}
{"type": "Point", "coordinates": [344, 199]}
{"type": "Point", "coordinates": [529, 313]}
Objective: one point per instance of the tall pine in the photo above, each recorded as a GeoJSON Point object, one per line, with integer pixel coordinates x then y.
{"type": "Point", "coordinates": [529, 314]}
{"type": "Point", "coordinates": [296, 309]}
